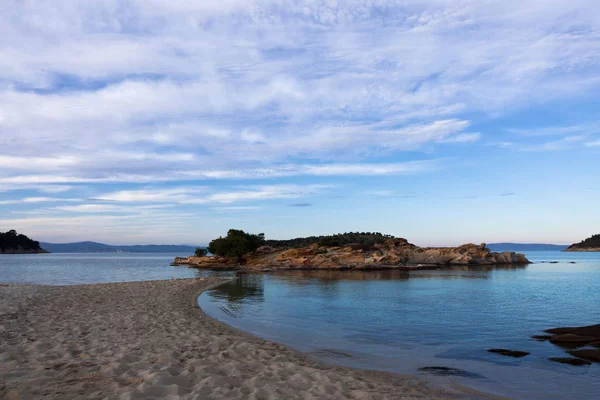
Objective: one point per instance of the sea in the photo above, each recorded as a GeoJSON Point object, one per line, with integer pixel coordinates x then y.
{"type": "Point", "coordinates": [437, 324]}
{"type": "Point", "coordinates": [83, 268]}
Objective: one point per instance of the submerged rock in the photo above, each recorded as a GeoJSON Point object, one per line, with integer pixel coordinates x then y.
{"type": "Point", "coordinates": [570, 338]}
{"type": "Point", "coordinates": [509, 353]}
{"type": "Point", "coordinates": [448, 371]}
{"type": "Point", "coordinates": [587, 354]}
{"type": "Point", "coordinates": [570, 361]}
{"type": "Point", "coordinates": [577, 337]}
{"type": "Point", "coordinates": [542, 338]}
{"type": "Point", "coordinates": [589, 330]}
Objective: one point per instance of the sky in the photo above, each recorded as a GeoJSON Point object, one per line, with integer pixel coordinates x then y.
{"type": "Point", "coordinates": [441, 121]}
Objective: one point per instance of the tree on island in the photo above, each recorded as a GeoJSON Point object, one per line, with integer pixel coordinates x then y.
{"type": "Point", "coordinates": [13, 241]}
{"type": "Point", "coordinates": [365, 239]}
{"type": "Point", "coordinates": [593, 242]}
{"type": "Point", "coordinates": [236, 244]}
{"type": "Point", "coordinates": [200, 252]}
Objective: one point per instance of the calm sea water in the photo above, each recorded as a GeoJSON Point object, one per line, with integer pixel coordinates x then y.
{"type": "Point", "coordinates": [70, 269]}
{"type": "Point", "coordinates": [402, 322]}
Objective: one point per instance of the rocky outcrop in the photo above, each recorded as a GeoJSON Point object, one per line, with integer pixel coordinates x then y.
{"type": "Point", "coordinates": [394, 253]}
{"type": "Point", "coordinates": [212, 263]}
{"type": "Point", "coordinates": [585, 339]}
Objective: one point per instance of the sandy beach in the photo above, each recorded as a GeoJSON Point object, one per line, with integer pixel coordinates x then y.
{"type": "Point", "coordinates": [150, 340]}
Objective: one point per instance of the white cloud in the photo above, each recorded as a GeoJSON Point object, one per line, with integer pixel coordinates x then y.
{"type": "Point", "coordinates": [462, 138]}
{"type": "Point", "coordinates": [276, 171]}
{"type": "Point", "coordinates": [153, 85]}
{"type": "Point", "coordinates": [151, 195]}
{"type": "Point", "coordinates": [563, 144]}
{"type": "Point", "coordinates": [558, 130]}
{"type": "Point", "coordinates": [32, 200]}
{"type": "Point", "coordinates": [262, 192]}
{"type": "Point", "coordinates": [108, 208]}
{"type": "Point", "coordinates": [237, 208]}
{"type": "Point", "coordinates": [593, 144]}
{"type": "Point", "coordinates": [502, 145]}
{"type": "Point", "coordinates": [35, 163]}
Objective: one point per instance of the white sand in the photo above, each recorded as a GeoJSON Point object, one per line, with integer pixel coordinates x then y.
{"type": "Point", "coordinates": [149, 340]}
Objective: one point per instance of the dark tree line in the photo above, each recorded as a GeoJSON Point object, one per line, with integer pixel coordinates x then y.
{"type": "Point", "coordinates": [367, 239]}
{"type": "Point", "coordinates": [238, 243]}
{"type": "Point", "coordinates": [11, 240]}
{"type": "Point", "coordinates": [592, 241]}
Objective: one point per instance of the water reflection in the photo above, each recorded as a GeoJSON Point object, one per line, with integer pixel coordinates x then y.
{"type": "Point", "coordinates": [249, 288]}
{"type": "Point", "coordinates": [245, 288]}
{"type": "Point", "coordinates": [465, 272]}
{"type": "Point", "coordinates": [332, 276]}
{"type": "Point", "coordinates": [303, 277]}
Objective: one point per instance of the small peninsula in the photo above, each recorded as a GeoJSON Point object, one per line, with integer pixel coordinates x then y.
{"type": "Point", "coordinates": [348, 251]}
{"type": "Point", "coordinates": [591, 244]}
{"type": "Point", "coordinates": [13, 243]}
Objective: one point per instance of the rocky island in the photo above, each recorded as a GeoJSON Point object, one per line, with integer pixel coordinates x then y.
{"type": "Point", "coordinates": [362, 252]}
{"type": "Point", "coordinates": [591, 244]}
{"type": "Point", "coordinates": [13, 243]}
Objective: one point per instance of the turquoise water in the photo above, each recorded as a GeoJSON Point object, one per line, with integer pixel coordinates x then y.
{"type": "Point", "coordinates": [445, 318]}
{"type": "Point", "coordinates": [70, 269]}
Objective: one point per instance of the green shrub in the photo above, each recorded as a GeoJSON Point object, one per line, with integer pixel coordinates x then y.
{"type": "Point", "coordinates": [236, 244]}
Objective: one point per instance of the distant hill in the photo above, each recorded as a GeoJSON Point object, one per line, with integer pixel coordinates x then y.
{"type": "Point", "coordinates": [12, 242]}
{"type": "Point", "coordinates": [521, 247]}
{"type": "Point", "coordinates": [590, 244]}
{"type": "Point", "coordinates": [93, 247]}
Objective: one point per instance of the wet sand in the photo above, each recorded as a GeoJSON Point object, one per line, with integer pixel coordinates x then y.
{"type": "Point", "coordinates": [143, 340]}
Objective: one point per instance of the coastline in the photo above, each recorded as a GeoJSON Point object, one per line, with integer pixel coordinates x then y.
{"type": "Point", "coordinates": [150, 339]}
{"type": "Point", "coordinates": [576, 250]}
{"type": "Point", "coordinates": [13, 251]}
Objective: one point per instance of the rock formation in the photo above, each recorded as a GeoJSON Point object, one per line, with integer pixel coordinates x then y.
{"type": "Point", "coordinates": [394, 253]}
{"type": "Point", "coordinates": [585, 339]}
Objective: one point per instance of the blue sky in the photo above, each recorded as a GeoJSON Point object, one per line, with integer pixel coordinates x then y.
{"type": "Point", "coordinates": [172, 121]}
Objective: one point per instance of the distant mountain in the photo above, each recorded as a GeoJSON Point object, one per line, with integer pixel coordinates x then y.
{"type": "Point", "coordinates": [12, 242]}
{"type": "Point", "coordinates": [590, 244]}
{"type": "Point", "coordinates": [93, 247]}
{"type": "Point", "coordinates": [521, 247]}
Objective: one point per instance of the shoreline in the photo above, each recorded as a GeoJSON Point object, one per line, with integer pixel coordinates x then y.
{"type": "Point", "coordinates": [142, 339]}
{"type": "Point", "coordinates": [590, 250]}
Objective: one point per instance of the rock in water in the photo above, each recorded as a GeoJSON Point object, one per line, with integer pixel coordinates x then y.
{"type": "Point", "coordinates": [589, 330]}
{"type": "Point", "coordinates": [587, 354]}
{"type": "Point", "coordinates": [570, 361]}
{"type": "Point", "coordinates": [394, 253]}
{"type": "Point", "coordinates": [509, 353]}
{"type": "Point", "coordinates": [542, 338]}
{"type": "Point", "coordinates": [570, 338]}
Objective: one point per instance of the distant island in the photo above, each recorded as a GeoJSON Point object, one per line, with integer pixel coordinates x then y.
{"type": "Point", "coordinates": [591, 244]}
{"type": "Point", "coordinates": [12, 242]}
{"type": "Point", "coordinates": [357, 251]}
{"type": "Point", "coordinates": [521, 247]}
{"type": "Point", "coordinates": [93, 247]}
